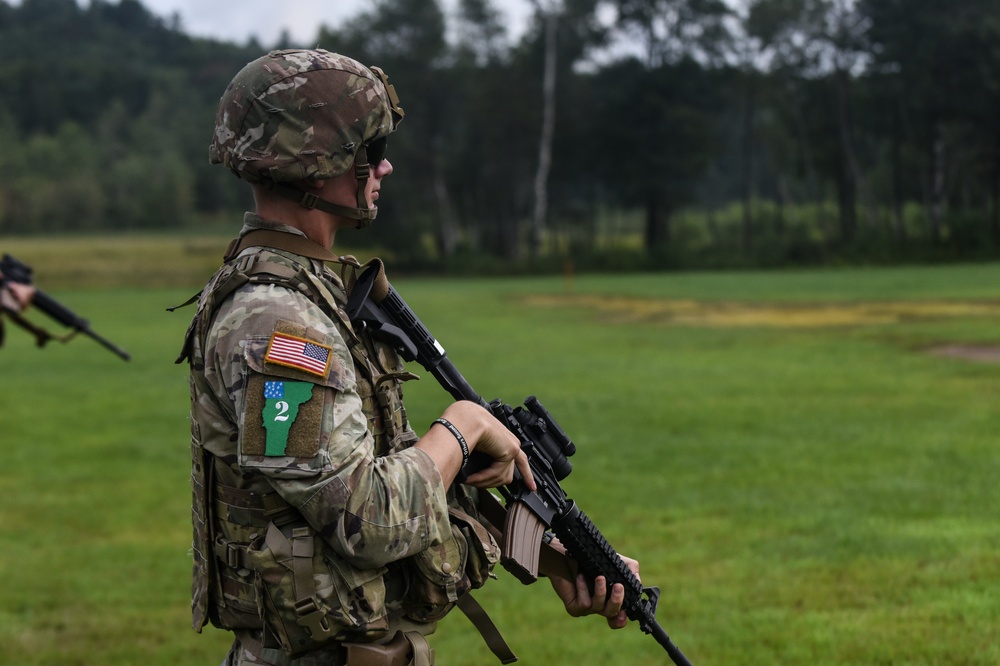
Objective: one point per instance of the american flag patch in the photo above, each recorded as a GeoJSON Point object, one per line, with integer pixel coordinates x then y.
{"type": "Point", "coordinates": [299, 353]}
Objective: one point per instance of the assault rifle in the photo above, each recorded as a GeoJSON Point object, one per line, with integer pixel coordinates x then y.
{"type": "Point", "coordinates": [14, 270]}
{"type": "Point", "coordinates": [375, 305]}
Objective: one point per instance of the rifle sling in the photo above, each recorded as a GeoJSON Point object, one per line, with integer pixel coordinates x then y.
{"type": "Point", "coordinates": [42, 336]}
{"type": "Point", "coordinates": [494, 640]}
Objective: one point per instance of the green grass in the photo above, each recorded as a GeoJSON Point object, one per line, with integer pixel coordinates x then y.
{"type": "Point", "coordinates": [813, 495]}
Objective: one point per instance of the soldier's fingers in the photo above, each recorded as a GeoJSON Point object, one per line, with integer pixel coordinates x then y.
{"type": "Point", "coordinates": [615, 601]}
{"type": "Point", "coordinates": [498, 474]}
{"type": "Point", "coordinates": [600, 595]}
{"type": "Point", "coordinates": [633, 565]}
{"type": "Point", "coordinates": [584, 602]}
{"type": "Point", "coordinates": [522, 464]}
{"type": "Point", "coordinates": [618, 621]}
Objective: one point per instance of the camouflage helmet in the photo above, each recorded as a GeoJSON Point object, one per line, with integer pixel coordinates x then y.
{"type": "Point", "coordinates": [298, 114]}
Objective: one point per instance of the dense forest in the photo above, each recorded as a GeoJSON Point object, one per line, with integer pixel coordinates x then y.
{"type": "Point", "coordinates": [650, 133]}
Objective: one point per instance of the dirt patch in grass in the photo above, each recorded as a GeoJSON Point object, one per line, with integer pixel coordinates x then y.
{"type": "Point", "coordinates": [779, 315]}
{"type": "Point", "coordinates": [977, 353]}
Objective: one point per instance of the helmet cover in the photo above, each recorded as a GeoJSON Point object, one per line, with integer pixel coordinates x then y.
{"type": "Point", "coordinates": [298, 114]}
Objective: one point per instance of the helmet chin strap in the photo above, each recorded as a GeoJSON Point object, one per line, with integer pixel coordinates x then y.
{"type": "Point", "coordinates": [362, 214]}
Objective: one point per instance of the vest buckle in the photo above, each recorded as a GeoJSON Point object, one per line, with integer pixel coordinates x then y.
{"type": "Point", "coordinates": [312, 618]}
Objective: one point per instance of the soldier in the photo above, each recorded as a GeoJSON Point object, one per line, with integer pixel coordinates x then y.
{"type": "Point", "coordinates": [326, 531]}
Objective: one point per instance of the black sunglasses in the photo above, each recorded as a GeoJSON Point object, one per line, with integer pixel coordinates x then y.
{"type": "Point", "coordinates": [376, 150]}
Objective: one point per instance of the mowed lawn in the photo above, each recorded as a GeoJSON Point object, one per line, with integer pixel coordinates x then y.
{"type": "Point", "coordinates": [792, 464]}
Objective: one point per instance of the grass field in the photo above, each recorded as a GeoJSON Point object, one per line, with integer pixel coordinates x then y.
{"type": "Point", "coordinates": [785, 456]}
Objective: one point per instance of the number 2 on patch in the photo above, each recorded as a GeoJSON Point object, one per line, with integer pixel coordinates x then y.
{"type": "Point", "coordinates": [281, 406]}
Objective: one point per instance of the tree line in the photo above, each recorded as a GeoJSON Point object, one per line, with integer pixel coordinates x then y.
{"type": "Point", "coordinates": [615, 133]}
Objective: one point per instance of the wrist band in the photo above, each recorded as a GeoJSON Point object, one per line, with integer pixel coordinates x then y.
{"type": "Point", "coordinates": [461, 440]}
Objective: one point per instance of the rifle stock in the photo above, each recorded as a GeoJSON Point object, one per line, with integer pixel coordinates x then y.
{"type": "Point", "coordinates": [374, 304]}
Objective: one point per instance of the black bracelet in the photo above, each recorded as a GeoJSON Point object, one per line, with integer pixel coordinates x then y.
{"type": "Point", "coordinates": [461, 440]}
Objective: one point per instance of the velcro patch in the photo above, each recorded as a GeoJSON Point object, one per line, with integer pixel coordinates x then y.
{"type": "Point", "coordinates": [294, 352]}
{"type": "Point", "coordinates": [264, 433]}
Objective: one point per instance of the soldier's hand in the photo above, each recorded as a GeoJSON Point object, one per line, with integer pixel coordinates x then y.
{"type": "Point", "coordinates": [500, 444]}
{"type": "Point", "coordinates": [578, 599]}
{"type": "Point", "coordinates": [483, 433]}
{"type": "Point", "coordinates": [17, 296]}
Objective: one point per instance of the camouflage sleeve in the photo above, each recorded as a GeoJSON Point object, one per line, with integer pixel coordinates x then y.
{"type": "Point", "coordinates": [287, 375]}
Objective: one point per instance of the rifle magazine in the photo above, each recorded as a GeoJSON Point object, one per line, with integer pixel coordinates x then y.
{"type": "Point", "coordinates": [522, 538]}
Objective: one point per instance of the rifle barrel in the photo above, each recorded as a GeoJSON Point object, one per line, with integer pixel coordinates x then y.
{"type": "Point", "coordinates": [107, 344]}
{"type": "Point", "coordinates": [660, 634]}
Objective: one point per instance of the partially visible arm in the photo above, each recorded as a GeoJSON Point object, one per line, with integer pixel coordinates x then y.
{"type": "Point", "coordinates": [16, 296]}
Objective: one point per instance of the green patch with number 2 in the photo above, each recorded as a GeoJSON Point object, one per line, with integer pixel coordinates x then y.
{"type": "Point", "coordinates": [281, 407]}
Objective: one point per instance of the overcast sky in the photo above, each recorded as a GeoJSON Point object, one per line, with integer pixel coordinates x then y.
{"type": "Point", "coordinates": [238, 20]}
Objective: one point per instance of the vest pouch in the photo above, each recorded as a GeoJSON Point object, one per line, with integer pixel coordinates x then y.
{"type": "Point", "coordinates": [389, 394]}
{"type": "Point", "coordinates": [238, 607]}
{"type": "Point", "coordinates": [484, 552]}
{"type": "Point", "coordinates": [308, 598]}
{"type": "Point", "coordinates": [437, 578]}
